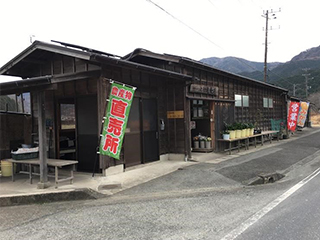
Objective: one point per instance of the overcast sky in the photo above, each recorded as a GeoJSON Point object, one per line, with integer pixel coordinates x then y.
{"type": "Point", "coordinates": [191, 28]}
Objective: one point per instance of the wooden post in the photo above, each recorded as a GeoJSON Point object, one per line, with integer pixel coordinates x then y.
{"type": "Point", "coordinates": [42, 141]}
{"type": "Point", "coordinates": [187, 129]}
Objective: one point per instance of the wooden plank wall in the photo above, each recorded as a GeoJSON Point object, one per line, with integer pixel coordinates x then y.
{"type": "Point", "coordinates": [176, 127]}
{"type": "Point", "coordinates": [256, 113]}
{"type": "Point", "coordinates": [15, 129]}
{"type": "Point", "coordinates": [59, 65]}
{"type": "Point", "coordinates": [65, 90]}
{"type": "Point", "coordinates": [229, 86]}
{"type": "Point", "coordinates": [148, 86]}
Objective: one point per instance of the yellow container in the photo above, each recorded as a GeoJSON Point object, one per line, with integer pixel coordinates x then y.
{"type": "Point", "coordinates": [6, 169]}
{"type": "Point", "coordinates": [238, 133]}
{"type": "Point", "coordinates": [232, 134]}
{"type": "Point", "coordinates": [248, 132]}
{"type": "Point", "coordinates": [243, 133]}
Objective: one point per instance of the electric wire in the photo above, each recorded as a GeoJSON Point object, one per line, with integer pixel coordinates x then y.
{"type": "Point", "coordinates": [239, 59]}
{"type": "Point", "coordinates": [186, 25]}
{"type": "Point", "coordinates": [171, 15]}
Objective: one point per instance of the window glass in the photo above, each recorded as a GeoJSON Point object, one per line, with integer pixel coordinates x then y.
{"type": "Point", "coordinates": [245, 100]}
{"type": "Point", "coordinates": [237, 99]}
{"type": "Point", "coordinates": [8, 103]}
{"type": "Point", "coordinates": [15, 103]}
{"type": "Point", "coordinates": [270, 103]}
{"type": "Point", "coordinates": [265, 102]}
{"type": "Point", "coordinates": [26, 102]}
{"type": "Point", "coordinates": [67, 113]}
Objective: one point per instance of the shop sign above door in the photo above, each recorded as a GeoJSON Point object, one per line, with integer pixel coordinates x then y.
{"type": "Point", "coordinates": [197, 88]}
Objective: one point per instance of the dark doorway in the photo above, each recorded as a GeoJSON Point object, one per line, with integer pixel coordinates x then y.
{"type": "Point", "coordinates": [150, 130]}
{"type": "Point", "coordinates": [132, 139]}
{"type": "Point", "coordinates": [141, 141]}
{"type": "Point", "coordinates": [66, 126]}
{"type": "Point", "coordinates": [87, 131]}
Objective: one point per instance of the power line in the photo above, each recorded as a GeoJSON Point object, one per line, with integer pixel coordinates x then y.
{"type": "Point", "coordinates": [211, 3]}
{"type": "Point", "coordinates": [171, 15]}
{"type": "Point", "coordinates": [162, 9]}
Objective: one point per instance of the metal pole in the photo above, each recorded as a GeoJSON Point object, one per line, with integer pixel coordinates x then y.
{"type": "Point", "coordinates": [306, 87]}
{"type": "Point", "coordinates": [266, 48]}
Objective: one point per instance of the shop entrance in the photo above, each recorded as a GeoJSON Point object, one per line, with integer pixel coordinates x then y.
{"type": "Point", "coordinates": [202, 125]}
{"type": "Point", "coordinates": [87, 129]}
{"type": "Point", "coordinates": [141, 143]}
{"type": "Point", "coordinates": [66, 126]}
{"type": "Point", "coordinates": [150, 130]}
{"type": "Point", "coordinates": [77, 126]}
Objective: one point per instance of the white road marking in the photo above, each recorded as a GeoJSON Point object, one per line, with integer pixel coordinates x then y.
{"type": "Point", "coordinates": [252, 220]}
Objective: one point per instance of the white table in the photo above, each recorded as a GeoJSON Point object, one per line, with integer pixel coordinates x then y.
{"type": "Point", "coordinates": [56, 163]}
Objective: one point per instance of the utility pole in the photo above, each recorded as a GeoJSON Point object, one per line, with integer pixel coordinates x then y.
{"type": "Point", "coordinates": [266, 16]}
{"type": "Point", "coordinates": [306, 75]}
{"type": "Point", "coordinates": [294, 89]}
{"type": "Point", "coordinates": [266, 47]}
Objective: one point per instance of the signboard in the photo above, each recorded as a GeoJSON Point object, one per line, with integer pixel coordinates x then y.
{"type": "Point", "coordinates": [192, 124]}
{"type": "Point", "coordinates": [303, 112]}
{"type": "Point", "coordinates": [197, 88]}
{"type": "Point", "coordinates": [116, 118]}
{"type": "Point", "coordinates": [293, 115]}
{"type": "Point", "coordinates": [175, 114]}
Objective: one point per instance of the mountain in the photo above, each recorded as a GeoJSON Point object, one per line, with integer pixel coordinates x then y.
{"type": "Point", "coordinates": [310, 54]}
{"type": "Point", "coordinates": [237, 65]}
{"type": "Point", "coordinates": [302, 69]}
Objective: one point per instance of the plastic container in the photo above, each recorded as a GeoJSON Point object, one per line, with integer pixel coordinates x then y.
{"type": "Point", "coordinates": [25, 156]}
{"type": "Point", "coordinates": [6, 168]}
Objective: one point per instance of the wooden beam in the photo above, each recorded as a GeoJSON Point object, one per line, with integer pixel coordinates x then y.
{"type": "Point", "coordinates": [42, 141]}
{"type": "Point", "coordinates": [75, 76]}
{"type": "Point", "coordinates": [27, 88]}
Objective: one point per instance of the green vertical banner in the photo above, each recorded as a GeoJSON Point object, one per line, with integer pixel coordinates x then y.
{"type": "Point", "coordinates": [116, 119]}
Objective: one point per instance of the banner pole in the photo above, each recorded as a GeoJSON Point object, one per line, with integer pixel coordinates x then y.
{"type": "Point", "coordinates": [99, 138]}
{"type": "Point", "coordinates": [116, 116]}
{"type": "Point", "coordinates": [123, 84]}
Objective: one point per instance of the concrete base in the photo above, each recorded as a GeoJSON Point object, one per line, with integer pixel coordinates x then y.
{"type": "Point", "coordinates": [176, 157]}
{"type": "Point", "coordinates": [43, 185]}
{"type": "Point", "coordinates": [164, 157]}
{"type": "Point", "coordinates": [113, 170]}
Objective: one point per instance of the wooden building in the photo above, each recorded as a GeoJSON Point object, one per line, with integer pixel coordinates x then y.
{"type": "Point", "coordinates": [214, 97]}
{"type": "Point", "coordinates": [69, 85]}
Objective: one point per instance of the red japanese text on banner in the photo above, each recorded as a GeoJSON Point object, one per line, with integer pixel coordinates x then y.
{"type": "Point", "coordinates": [303, 112]}
{"type": "Point", "coordinates": [116, 118]}
{"type": "Point", "coordinates": [293, 115]}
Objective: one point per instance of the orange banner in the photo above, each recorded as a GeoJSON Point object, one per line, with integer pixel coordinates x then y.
{"type": "Point", "coordinates": [303, 112]}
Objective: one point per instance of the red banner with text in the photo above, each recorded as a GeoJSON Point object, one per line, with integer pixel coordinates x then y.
{"type": "Point", "coordinates": [293, 115]}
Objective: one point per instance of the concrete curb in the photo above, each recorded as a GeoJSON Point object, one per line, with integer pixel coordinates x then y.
{"type": "Point", "coordinates": [78, 194]}
{"type": "Point", "coordinates": [103, 190]}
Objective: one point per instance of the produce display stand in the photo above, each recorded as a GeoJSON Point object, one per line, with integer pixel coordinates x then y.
{"type": "Point", "coordinates": [56, 163]}
{"type": "Point", "coordinates": [240, 142]}
{"type": "Point", "coordinates": [245, 141]}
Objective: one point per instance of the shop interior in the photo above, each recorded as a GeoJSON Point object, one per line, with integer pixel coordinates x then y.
{"type": "Point", "coordinates": [200, 125]}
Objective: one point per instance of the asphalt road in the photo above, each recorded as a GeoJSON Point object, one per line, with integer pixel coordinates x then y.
{"type": "Point", "coordinates": [297, 217]}
{"type": "Point", "coordinates": [203, 201]}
